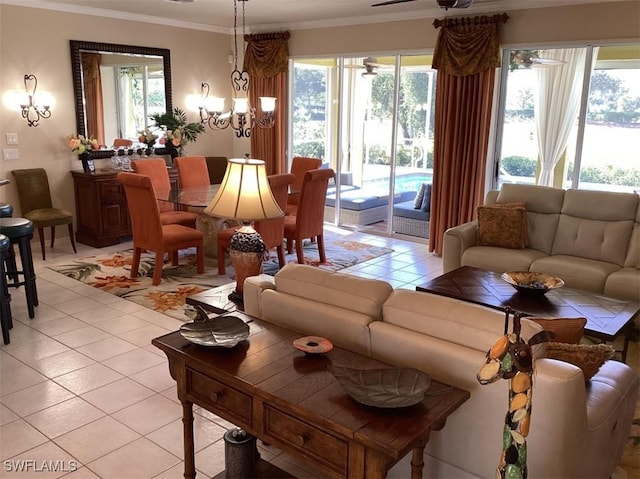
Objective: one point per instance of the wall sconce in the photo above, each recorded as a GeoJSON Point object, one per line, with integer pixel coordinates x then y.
{"type": "Point", "coordinates": [31, 104]}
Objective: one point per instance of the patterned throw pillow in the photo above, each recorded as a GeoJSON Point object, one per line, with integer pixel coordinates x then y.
{"type": "Point", "coordinates": [503, 225]}
{"type": "Point", "coordinates": [417, 202]}
{"type": "Point", "coordinates": [566, 330]}
{"type": "Point", "coordinates": [588, 357]}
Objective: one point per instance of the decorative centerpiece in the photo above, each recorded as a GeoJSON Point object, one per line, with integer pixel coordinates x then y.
{"type": "Point", "coordinates": [179, 132]}
{"type": "Point", "coordinates": [82, 146]}
{"type": "Point", "coordinates": [385, 388]}
{"type": "Point", "coordinates": [224, 331]}
{"type": "Point", "coordinates": [149, 138]}
{"type": "Point", "coordinates": [532, 283]}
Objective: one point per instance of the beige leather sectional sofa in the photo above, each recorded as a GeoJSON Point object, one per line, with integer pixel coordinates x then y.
{"type": "Point", "coordinates": [577, 431]}
{"type": "Point", "coordinates": [590, 239]}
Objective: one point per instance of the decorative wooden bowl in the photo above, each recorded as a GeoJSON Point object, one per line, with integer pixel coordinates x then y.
{"type": "Point", "coordinates": [385, 388]}
{"type": "Point", "coordinates": [313, 344]}
{"type": "Point", "coordinates": [532, 283]}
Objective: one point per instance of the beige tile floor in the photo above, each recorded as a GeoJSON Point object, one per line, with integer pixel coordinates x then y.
{"type": "Point", "coordinates": [83, 392]}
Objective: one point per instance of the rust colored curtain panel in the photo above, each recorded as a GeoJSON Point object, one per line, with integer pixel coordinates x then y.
{"type": "Point", "coordinates": [269, 144]}
{"type": "Point", "coordinates": [466, 55]}
{"type": "Point", "coordinates": [266, 59]}
{"type": "Point", "coordinates": [94, 113]}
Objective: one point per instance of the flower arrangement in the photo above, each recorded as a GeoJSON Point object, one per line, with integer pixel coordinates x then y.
{"type": "Point", "coordinates": [147, 136]}
{"type": "Point", "coordinates": [80, 144]}
{"type": "Point", "coordinates": [179, 132]}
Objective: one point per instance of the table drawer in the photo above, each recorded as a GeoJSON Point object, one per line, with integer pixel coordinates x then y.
{"type": "Point", "coordinates": [229, 403]}
{"type": "Point", "coordinates": [321, 446]}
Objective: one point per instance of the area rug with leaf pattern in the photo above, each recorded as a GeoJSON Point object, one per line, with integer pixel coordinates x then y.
{"type": "Point", "coordinates": [111, 272]}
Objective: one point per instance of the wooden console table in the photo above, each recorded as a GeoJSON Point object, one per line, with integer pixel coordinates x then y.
{"type": "Point", "coordinates": [289, 399]}
{"type": "Point", "coordinates": [102, 217]}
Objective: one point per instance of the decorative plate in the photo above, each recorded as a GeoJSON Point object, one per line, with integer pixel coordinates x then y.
{"type": "Point", "coordinates": [225, 331]}
{"type": "Point", "coordinates": [385, 388]}
{"type": "Point", "coordinates": [532, 283]}
{"type": "Point", "coordinates": [313, 344]}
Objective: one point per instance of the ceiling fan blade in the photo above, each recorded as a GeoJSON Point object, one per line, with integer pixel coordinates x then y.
{"type": "Point", "coordinates": [548, 61]}
{"type": "Point", "coordinates": [390, 2]}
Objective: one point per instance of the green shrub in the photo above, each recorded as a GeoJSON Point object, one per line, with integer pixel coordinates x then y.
{"type": "Point", "coordinates": [519, 165]}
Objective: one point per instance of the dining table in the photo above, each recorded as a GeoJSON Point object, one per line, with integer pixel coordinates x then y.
{"type": "Point", "coordinates": [196, 198]}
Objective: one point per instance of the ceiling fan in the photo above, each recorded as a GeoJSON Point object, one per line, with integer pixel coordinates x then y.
{"type": "Point", "coordinates": [369, 64]}
{"type": "Point", "coordinates": [446, 4]}
{"type": "Point", "coordinates": [530, 59]}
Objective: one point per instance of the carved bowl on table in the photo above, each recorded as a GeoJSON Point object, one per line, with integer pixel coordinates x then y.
{"type": "Point", "coordinates": [385, 388]}
{"type": "Point", "coordinates": [532, 283]}
{"type": "Point", "coordinates": [224, 331]}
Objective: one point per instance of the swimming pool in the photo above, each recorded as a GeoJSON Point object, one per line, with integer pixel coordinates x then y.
{"type": "Point", "coordinates": [405, 182]}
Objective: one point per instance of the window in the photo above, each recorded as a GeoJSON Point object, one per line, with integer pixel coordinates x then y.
{"type": "Point", "coordinates": [596, 149]}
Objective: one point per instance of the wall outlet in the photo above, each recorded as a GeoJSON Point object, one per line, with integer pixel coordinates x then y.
{"type": "Point", "coordinates": [12, 138]}
{"type": "Point", "coordinates": [10, 154]}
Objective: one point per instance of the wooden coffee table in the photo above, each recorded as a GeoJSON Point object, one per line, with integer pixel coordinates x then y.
{"type": "Point", "coordinates": [289, 399]}
{"type": "Point", "coordinates": [606, 317]}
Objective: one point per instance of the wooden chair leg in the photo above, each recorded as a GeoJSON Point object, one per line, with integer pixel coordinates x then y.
{"type": "Point", "coordinates": [174, 258]}
{"type": "Point", "coordinates": [53, 235]}
{"type": "Point", "coordinates": [135, 262]}
{"type": "Point", "coordinates": [73, 240]}
{"type": "Point", "coordinates": [289, 245]}
{"type": "Point", "coordinates": [41, 237]}
{"type": "Point", "coordinates": [157, 269]}
{"type": "Point", "coordinates": [221, 265]}
{"type": "Point", "coordinates": [299, 253]}
{"type": "Point", "coordinates": [280, 251]}
{"type": "Point", "coordinates": [323, 256]}
{"type": "Point", "coordinates": [200, 258]}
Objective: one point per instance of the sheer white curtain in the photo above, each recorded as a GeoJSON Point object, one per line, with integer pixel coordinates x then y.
{"type": "Point", "coordinates": [556, 105]}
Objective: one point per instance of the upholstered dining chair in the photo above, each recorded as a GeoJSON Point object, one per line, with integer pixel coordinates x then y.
{"type": "Point", "coordinates": [272, 231]}
{"type": "Point", "coordinates": [156, 169]}
{"type": "Point", "coordinates": [217, 166]}
{"type": "Point", "coordinates": [149, 234]}
{"type": "Point", "coordinates": [299, 166]}
{"type": "Point", "coordinates": [36, 205]}
{"type": "Point", "coordinates": [192, 171]}
{"type": "Point", "coordinates": [308, 222]}
{"type": "Point", "coordinates": [122, 142]}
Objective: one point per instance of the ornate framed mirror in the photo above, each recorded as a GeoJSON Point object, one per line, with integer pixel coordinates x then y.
{"type": "Point", "coordinates": [132, 57]}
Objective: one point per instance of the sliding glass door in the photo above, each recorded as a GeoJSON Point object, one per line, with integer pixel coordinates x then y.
{"type": "Point", "coordinates": [371, 120]}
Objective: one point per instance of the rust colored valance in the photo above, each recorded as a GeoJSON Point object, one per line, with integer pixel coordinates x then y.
{"type": "Point", "coordinates": [267, 54]}
{"type": "Point", "coordinates": [468, 45]}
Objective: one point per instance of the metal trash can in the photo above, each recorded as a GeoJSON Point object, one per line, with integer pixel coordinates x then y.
{"type": "Point", "coordinates": [240, 454]}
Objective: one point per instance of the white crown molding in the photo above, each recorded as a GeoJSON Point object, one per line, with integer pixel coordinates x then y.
{"type": "Point", "coordinates": [100, 12]}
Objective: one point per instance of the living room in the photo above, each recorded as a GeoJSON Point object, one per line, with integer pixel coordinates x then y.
{"type": "Point", "coordinates": [196, 56]}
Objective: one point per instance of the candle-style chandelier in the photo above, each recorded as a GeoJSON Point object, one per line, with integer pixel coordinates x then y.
{"type": "Point", "coordinates": [242, 116]}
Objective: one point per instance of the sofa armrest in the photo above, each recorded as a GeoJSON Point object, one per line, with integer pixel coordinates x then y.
{"type": "Point", "coordinates": [252, 289]}
{"type": "Point", "coordinates": [456, 240]}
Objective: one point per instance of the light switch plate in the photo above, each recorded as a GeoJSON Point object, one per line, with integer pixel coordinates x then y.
{"type": "Point", "coordinates": [10, 154]}
{"type": "Point", "coordinates": [12, 138]}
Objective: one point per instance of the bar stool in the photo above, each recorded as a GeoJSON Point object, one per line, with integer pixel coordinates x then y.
{"type": "Point", "coordinates": [20, 232]}
{"type": "Point", "coordinates": [6, 210]}
{"type": "Point", "coordinates": [6, 323]}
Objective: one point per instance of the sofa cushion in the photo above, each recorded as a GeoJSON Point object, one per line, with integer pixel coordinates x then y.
{"type": "Point", "coordinates": [500, 259]}
{"type": "Point", "coordinates": [596, 225]}
{"type": "Point", "coordinates": [544, 204]}
{"type": "Point", "coordinates": [588, 357]}
{"type": "Point", "coordinates": [633, 253]}
{"type": "Point", "coordinates": [459, 322]}
{"type": "Point", "coordinates": [417, 201]}
{"type": "Point", "coordinates": [363, 295]}
{"type": "Point", "coordinates": [502, 225]}
{"type": "Point", "coordinates": [624, 284]}
{"type": "Point", "coordinates": [406, 210]}
{"type": "Point", "coordinates": [426, 199]}
{"type": "Point", "coordinates": [576, 272]}
{"type": "Point", "coordinates": [565, 330]}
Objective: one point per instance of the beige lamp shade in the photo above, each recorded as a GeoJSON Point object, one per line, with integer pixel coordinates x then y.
{"type": "Point", "coordinates": [244, 193]}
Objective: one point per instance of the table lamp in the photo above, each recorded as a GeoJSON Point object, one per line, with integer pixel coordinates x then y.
{"type": "Point", "coordinates": [245, 195]}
